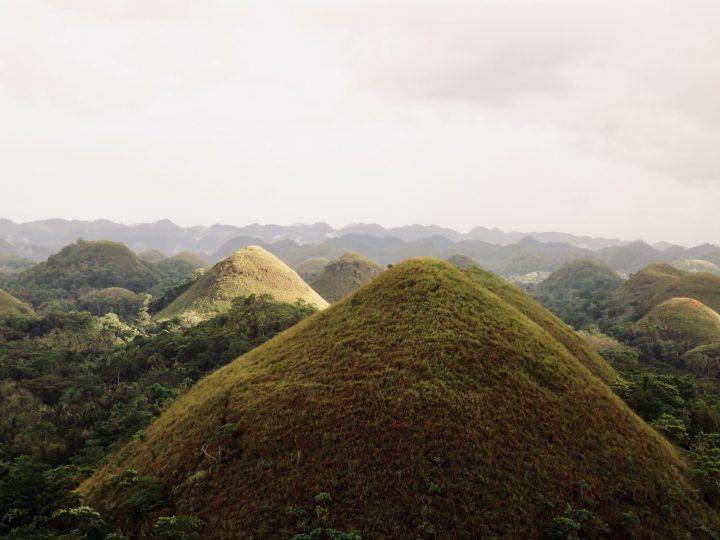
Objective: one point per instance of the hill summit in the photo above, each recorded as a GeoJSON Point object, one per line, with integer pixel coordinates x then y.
{"type": "Point", "coordinates": [683, 320]}
{"type": "Point", "coordinates": [251, 270]}
{"type": "Point", "coordinates": [431, 403]}
{"type": "Point", "coordinates": [345, 275]}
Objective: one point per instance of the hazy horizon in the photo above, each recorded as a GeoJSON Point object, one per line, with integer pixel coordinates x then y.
{"type": "Point", "coordinates": [593, 119]}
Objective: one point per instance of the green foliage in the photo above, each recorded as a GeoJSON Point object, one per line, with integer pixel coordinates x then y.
{"type": "Point", "coordinates": [178, 528]}
{"type": "Point", "coordinates": [579, 292]}
{"type": "Point", "coordinates": [80, 268]}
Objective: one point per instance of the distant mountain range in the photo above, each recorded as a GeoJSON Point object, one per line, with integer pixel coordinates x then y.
{"type": "Point", "coordinates": [503, 252]}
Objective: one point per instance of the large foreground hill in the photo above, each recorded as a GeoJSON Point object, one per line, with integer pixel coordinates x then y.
{"type": "Point", "coordinates": [430, 403]}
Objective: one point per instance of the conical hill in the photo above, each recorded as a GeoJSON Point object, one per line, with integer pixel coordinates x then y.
{"type": "Point", "coordinates": [427, 404]}
{"type": "Point", "coordinates": [345, 275]}
{"type": "Point", "coordinates": [683, 320]}
{"type": "Point", "coordinates": [251, 270]}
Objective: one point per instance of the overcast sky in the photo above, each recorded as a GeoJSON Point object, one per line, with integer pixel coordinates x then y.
{"type": "Point", "coordinates": [598, 118]}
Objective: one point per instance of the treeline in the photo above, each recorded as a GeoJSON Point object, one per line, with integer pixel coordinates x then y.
{"type": "Point", "coordinates": [75, 387]}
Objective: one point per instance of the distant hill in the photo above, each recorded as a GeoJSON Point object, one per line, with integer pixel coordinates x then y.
{"type": "Point", "coordinates": [81, 267]}
{"type": "Point", "coordinates": [659, 282]}
{"type": "Point", "coordinates": [9, 305]}
{"type": "Point", "coordinates": [462, 261]}
{"type": "Point", "coordinates": [696, 265]}
{"type": "Point", "coordinates": [686, 321]}
{"type": "Point", "coordinates": [152, 256]}
{"type": "Point", "coordinates": [177, 268]}
{"type": "Point", "coordinates": [579, 292]}
{"type": "Point", "coordinates": [630, 257]}
{"type": "Point", "coordinates": [12, 264]}
{"type": "Point", "coordinates": [251, 270]}
{"type": "Point", "coordinates": [580, 277]}
{"type": "Point", "coordinates": [122, 302]}
{"type": "Point", "coordinates": [370, 418]}
{"type": "Point", "coordinates": [311, 268]}
{"type": "Point", "coordinates": [345, 275]}
{"type": "Point", "coordinates": [704, 360]}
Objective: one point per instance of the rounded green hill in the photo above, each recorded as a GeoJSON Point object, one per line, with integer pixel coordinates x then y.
{"type": "Point", "coordinates": [704, 360]}
{"type": "Point", "coordinates": [683, 320]}
{"type": "Point", "coordinates": [89, 265]}
{"type": "Point", "coordinates": [9, 305]}
{"type": "Point", "coordinates": [659, 282]}
{"type": "Point", "coordinates": [430, 402]}
{"type": "Point", "coordinates": [123, 302]}
{"type": "Point", "coordinates": [581, 276]}
{"type": "Point", "coordinates": [310, 269]}
{"type": "Point", "coordinates": [251, 270]}
{"type": "Point", "coordinates": [345, 275]}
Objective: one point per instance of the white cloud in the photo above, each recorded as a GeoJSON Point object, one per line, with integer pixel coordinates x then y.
{"type": "Point", "coordinates": [519, 114]}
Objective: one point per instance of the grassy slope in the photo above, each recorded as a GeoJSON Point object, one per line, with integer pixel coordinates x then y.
{"type": "Point", "coordinates": [251, 270]}
{"type": "Point", "coordinates": [9, 305]}
{"type": "Point", "coordinates": [659, 282]}
{"type": "Point", "coordinates": [345, 275]}
{"type": "Point", "coordinates": [426, 403]}
{"type": "Point", "coordinates": [544, 318]}
{"type": "Point", "coordinates": [683, 320]}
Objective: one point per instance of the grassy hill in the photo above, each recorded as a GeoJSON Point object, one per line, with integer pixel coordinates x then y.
{"type": "Point", "coordinates": [696, 265]}
{"type": "Point", "coordinates": [251, 270]}
{"type": "Point", "coordinates": [659, 282]}
{"type": "Point", "coordinates": [683, 320]}
{"type": "Point", "coordinates": [704, 360]}
{"type": "Point", "coordinates": [372, 417]}
{"type": "Point", "coordinates": [581, 277]}
{"type": "Point", "coordinates": [123, 302]}
{"type": "Point", "coordinates": [83, 266]}
{"type": "Point", "coordinates": [345, 275]}
{"type": "Point", "coordinates": [9, 305]}
{"type": "Point", "coordinates": [178, 267]}
{"type": "Point", "coordinates": [311, 268]}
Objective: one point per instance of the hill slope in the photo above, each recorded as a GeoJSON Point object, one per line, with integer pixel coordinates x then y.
{"type": "Point", "coordinates": [251, 270]}
{"type": "Point", "coordinates": [659, 282]}
{"type": "Point", "coordinates": [373, 417]}
{"type": "Point", "coordinates": [9, 305]}
{"type": "Point", "coordinates": [345, 275]}
{"type": "Point", "coordinates": [683, 320]}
